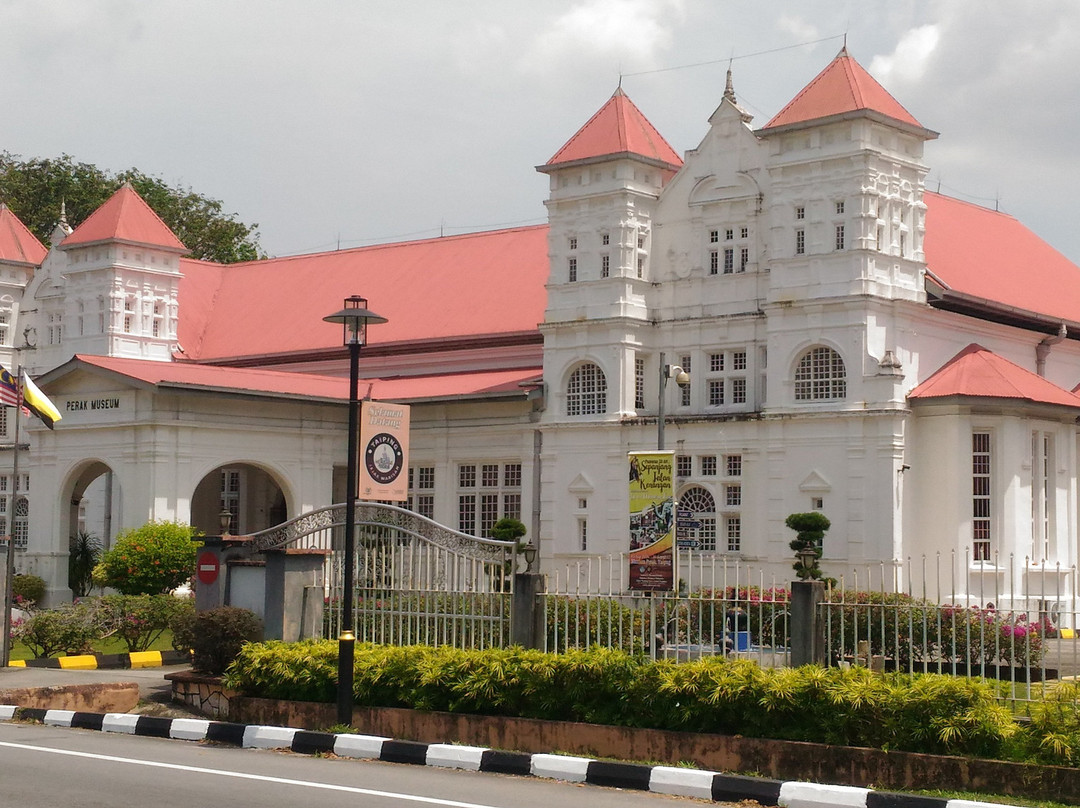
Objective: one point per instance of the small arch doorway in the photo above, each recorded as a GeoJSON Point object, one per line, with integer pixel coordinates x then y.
{"type": "Point", "coordinates": [252, 497]}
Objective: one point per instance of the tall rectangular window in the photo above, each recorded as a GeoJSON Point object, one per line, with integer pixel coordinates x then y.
{"type": "Point", "coordinates": [639, 383]}
{"type": "Point", "coordinates": [583, 534]}
{"type": "Point", "coordinates": [729, 260]}
{"type": "Point", "coordinates": [839, 237]}
{"type": "Point", "coordinates": [605, 266]}
{"type": "Point", "coordinates": [800, 242]}
{"type": "Point", "coordinates": [571, 270]}
{"type": "Point", "coordinates": [981, 514]}
{"type": "Point", "coordinates": [716, 392]}
{"type": "Point", "coordinates": [734, 534]}
{"type": "Point", "coordinates": [738, 391]}
{"type": "Point", "coordinates": [744, 258]}
{"type": "Point", "coordinates": [684, 361]}
{"type": "Point", "coordinates": [1042, 495]}
{"type": "Point", "coordinates": [714, 262]}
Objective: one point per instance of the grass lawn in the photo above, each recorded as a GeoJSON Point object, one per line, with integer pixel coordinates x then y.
{"type": "Point", "coordinates": [109, 645]}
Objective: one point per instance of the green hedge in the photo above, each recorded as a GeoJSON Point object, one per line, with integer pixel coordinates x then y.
{"type": "Point", "coordinates": [853, 707]}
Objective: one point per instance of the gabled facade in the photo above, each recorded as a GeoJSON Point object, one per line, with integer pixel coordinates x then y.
{"type": "Point", "coordinates": [901, 361]}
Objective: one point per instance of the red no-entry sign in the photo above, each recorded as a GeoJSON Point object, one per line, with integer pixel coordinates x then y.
{"type": "Point", "coordinates": [207, 567]}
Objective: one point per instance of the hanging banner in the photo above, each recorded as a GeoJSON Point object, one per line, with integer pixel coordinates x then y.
{"type": "Point", "coordinates": [652, 521]}
{"type": "Point", "coordinates": [384, 451]}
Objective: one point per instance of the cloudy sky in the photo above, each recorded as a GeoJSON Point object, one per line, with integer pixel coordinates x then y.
{"type": "Point", "coordinates": [341, 122]}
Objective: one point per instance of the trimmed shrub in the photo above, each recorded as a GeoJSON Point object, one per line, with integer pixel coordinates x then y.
{"type": "Point", "coordinates": [855, 707]}
{"type": "Point", "coordinates": [150, 560]}
{"type": "Point", "coordinates": [182, 626]}
{"type": "Point", "coordinates": [140, 620]}
{"type": "Point", "coordinates": [219, 636]}
{"type": "Point", "coordinates": [27, 590]}
{"type": "Point", "coordinates": [71, 629]}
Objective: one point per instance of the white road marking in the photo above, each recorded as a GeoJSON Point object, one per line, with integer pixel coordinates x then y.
{"type": "Point", "coordinates": [246, 776]}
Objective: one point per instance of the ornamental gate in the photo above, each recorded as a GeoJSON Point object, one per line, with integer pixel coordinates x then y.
{"type": "Point", "coordinates": [417, 582]}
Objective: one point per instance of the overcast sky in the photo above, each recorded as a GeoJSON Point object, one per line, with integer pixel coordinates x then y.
{"type": "Point", "coordinates": [338, 122]}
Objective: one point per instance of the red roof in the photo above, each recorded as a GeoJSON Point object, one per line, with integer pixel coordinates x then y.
{"type": "Point", "coordinates": [459, 286]}
{"type": "Point", "coordinates": [990, 256]}
{"type": "Point", "coordinates": [617, 128]}
{"type": "Point", "coordinates": [290, 384]}
{"type": "Point", "coordinates": [125, 216]}
{"type": "Point", "coordinates": [842, 87]}
{"type": "Point", "coordinates": [977, 372]}
{"type": "Point", "coordinates": [17, 244]}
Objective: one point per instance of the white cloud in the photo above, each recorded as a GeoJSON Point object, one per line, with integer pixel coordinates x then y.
{"type": "Point", "coordinates": [909, 60]}
{"type": "Point", "coordinates": [633, 31]}
{"type": "Point", "coordinates": [799, 29]}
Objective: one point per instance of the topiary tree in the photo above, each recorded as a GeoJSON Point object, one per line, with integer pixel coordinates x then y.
{"type": "Point", "coordinates": [149, 560]}
{"type": "Point", "coordinates": [27, 590]}
{"type": "Point", "coordinates": [507, 529]}
{"type": "Point", "coordinates": [810, 531]}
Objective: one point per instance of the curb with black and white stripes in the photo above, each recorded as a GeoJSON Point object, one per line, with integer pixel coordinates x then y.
{"type": "Point", "coordinates": [671, 780]}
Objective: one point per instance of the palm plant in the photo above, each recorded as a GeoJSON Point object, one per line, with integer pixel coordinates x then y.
{"type": "Point", "coordinates": [84, 552]}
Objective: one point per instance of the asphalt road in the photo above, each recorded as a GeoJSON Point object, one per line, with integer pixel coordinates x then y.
{"type": "Point", "coordinates": [49, 767]}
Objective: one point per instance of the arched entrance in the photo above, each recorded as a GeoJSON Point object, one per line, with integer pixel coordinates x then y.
{"type": "Point", "coordinates": [252, 496]}
{"type": "Point", "coordinates": [95, 498]}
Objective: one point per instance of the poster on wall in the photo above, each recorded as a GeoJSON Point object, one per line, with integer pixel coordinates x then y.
{"type": "Point", "coordinates": [652, 521]}
{"type": "Point", "coordinates": [384, 451]}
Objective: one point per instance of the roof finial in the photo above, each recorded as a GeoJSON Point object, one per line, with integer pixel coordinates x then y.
{"type": "Point", "coordinates": [843, 50]}
{"type": "Point", "coordinates": [63, 212]}
{"type": "Point", "coordinates": [729, 88]}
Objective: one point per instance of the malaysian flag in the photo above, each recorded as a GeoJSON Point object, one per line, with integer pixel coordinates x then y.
{"type": "Point", "coordinates": [9, 389]}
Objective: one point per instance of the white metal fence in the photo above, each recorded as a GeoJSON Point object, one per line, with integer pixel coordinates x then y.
{"type": "Point", "coordinates": [723, 607]}
{"type": "Point", "coordinates": [1003, 618]}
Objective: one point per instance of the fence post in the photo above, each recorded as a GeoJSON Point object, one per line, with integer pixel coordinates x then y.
{"type": "Point", "coordinates": [807, 628]}
{"type": "Point", "coordinates": [526, 616]}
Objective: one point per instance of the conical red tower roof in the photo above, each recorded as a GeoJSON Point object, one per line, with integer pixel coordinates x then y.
{"type": "Point", "coordinates": [842, 88]}
{"type": "Point", "coordinates": [17, 244]}
{"type": "Point", "coordinates": [125, 216]}
{"type": "Point", "coordinates": [618, 128]}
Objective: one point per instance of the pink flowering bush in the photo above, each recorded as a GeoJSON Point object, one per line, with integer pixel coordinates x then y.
{"type": "Point", "coordinates": [140, 620]}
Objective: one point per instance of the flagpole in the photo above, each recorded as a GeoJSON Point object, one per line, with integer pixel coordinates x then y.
{"type": "Point", "coordinates": [5, 654]}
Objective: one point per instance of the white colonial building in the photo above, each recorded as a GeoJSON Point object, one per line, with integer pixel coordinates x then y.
{"type": "Point", "coordinates": [856, 344]}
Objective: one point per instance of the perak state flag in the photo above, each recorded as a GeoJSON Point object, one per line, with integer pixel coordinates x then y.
{"type": "Point", "coordinates": [38, 403]}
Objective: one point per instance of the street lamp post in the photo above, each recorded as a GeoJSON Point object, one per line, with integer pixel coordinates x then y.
{"type": "Point", "coordinates": [354, 319]}
{"type": "Point", "coordinates": [682, 378]}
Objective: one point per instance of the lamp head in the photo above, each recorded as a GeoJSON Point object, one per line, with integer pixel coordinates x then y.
{"type": "Point", "coordinates": [354, 319]}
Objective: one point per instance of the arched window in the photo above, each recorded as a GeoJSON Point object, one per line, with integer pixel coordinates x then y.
{"type": "Point", "coordinates": [586, 394]}
{"type": "Point", "coordinates": [20, 526]}
{"type": "Point", "coordinates": [701, 503]}
{"type": "Point", "coordinates": [820, 376]}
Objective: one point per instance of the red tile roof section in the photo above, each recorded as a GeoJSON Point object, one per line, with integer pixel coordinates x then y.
{"type": "Point", "coordinates": [125, 216]}
{"type": "Point", "coordinates": [17, 244]}
{"type": "Point", "coordinates": [979, 373]}
{"type": "Point", "coordinates": [284, 383]}
{"type": "Point", "coordinates": [458, 286]}
{"type": "Point", "coordinates": [843, 86]}
{"type": "Point", "coordinates": [987, 255]}
{"type": "Point", "coordinates": [617, 128]}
